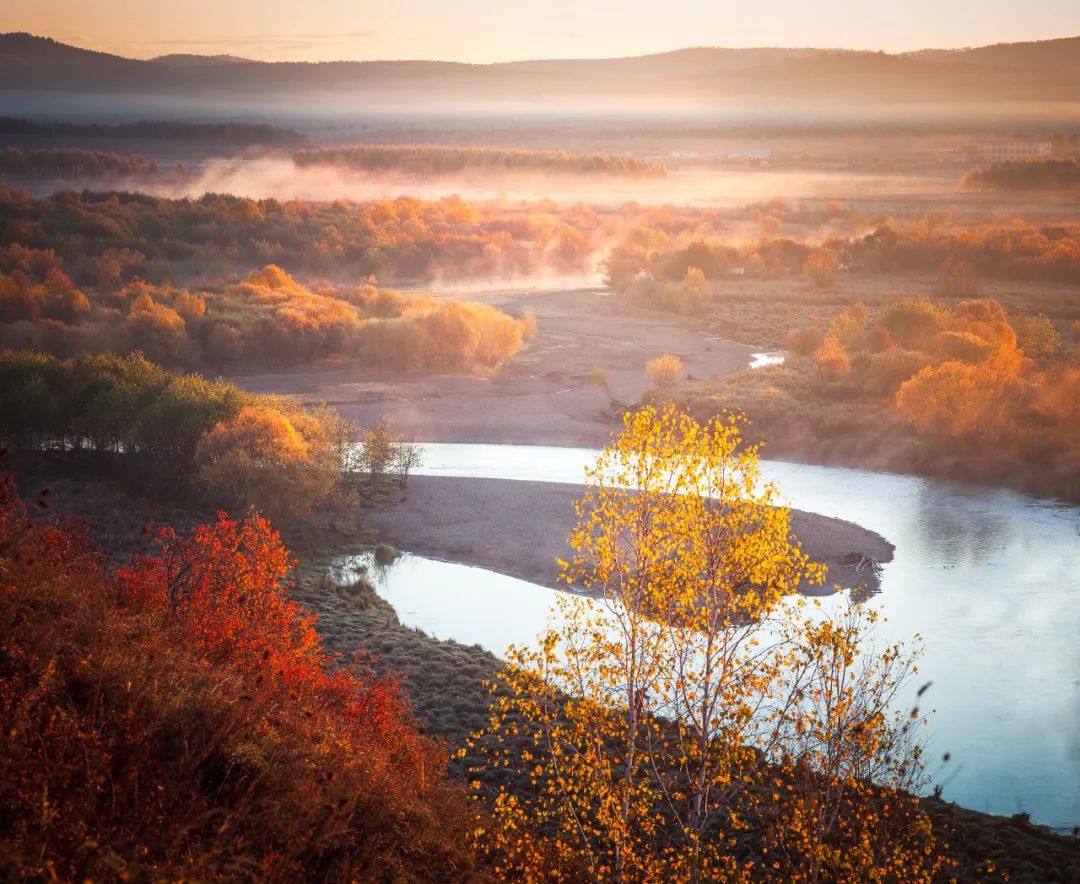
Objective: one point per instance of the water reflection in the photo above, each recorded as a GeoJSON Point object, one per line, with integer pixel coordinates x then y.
{"type": "Point", "coordinates": [769, 357]}
{"type": "Point", "coordinates": [469, 605]}
{"type": "Point", "coordinates": [990, 579]}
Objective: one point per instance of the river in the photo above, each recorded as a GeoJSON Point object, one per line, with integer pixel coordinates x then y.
{"type": "Point", "coordinates": [990, 579]}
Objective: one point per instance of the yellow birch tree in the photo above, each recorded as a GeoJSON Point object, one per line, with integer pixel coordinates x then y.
{"type": "Point", "coordinates": [686, 706]}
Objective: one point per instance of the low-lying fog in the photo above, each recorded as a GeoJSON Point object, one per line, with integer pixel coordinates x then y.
{"type": "Point", "coordinates": [279, 178]}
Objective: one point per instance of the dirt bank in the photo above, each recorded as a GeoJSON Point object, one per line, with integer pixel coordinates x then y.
{"type": "Point", "coordinates": [520, 528]}
{"type": "Point", "coordinates": [541, 395]}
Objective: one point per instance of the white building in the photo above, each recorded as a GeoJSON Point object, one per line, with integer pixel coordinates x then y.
{"type": "Point", "coordinates": [1016, 149]}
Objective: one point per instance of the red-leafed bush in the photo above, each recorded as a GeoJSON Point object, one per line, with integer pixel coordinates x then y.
{"type": "Point", "coordinates": [179, 719]}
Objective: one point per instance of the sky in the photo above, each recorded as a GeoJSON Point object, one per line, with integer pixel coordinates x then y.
{"type": "Point", "coordinates": [503, 30]}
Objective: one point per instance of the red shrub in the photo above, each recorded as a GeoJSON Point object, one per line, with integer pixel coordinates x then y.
{"type": "Point", "coordinates": [180, 719]}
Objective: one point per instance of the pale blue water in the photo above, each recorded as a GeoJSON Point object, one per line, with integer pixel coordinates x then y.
{"type": "Point", "coordinates": [769, 357]}
{"type": "Point", "coordinates": [990, 579]}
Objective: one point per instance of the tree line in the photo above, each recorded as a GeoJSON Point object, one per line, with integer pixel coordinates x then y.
{"type": "Point", "coordinates": [267, 318]}
{"type": "Point", "coordinates": [430, 159]}
{"type": "Point", "coordinates": [683, 273]}
{"type": "Point", "coordinates": [72, 163]}
{"type": "Point", "coordinates": [173, 434]}
{"type": "Point", "coordinates": [166, 130]}
{"type": "Point", "coordinates": [100, 236]}
{"type": "Point", "coordinates": [1061, 174]}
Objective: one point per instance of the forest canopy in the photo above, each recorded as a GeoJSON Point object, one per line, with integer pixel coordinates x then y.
{"type": "Point", "coordinates": [71, 163]}
{"type": "Point", "coordinates": [215, 236]}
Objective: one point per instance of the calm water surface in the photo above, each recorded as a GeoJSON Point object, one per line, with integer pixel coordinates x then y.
{"type": "Point", "coordinates": [990, 579]}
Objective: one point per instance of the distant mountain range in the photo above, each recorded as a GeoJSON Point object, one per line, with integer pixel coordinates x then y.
{"type": "Point", "coordinates": [1046, 70]}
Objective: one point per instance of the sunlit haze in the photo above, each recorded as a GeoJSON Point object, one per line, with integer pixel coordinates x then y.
{"type": "Point", "coordinates": [503, 30]}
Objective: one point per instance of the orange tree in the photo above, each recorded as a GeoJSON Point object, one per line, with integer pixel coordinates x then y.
{"type": "Point", "coordinates": [688, 717]}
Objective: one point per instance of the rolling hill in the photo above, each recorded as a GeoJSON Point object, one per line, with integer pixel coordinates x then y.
{"type": "Point", "coordinates": [1046, 71]}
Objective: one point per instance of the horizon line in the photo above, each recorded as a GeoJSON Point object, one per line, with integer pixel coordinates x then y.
{"type": "Point", "coordinates": [240, 59]}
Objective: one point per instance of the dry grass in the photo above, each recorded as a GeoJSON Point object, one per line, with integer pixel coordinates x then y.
{"type": "Point", "coordinates": [445, 680]}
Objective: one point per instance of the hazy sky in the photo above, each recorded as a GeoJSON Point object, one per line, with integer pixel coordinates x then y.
{"type": "Point", "coordinates": [499, 30]}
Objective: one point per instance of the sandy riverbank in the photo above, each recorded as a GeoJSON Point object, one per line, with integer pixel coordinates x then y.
{"type": "Point", "coordinates": [520, 528]}
{"type": "Point", "coordinates": [538, 397]}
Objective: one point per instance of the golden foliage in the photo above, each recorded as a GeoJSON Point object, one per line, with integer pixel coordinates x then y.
{"type": "Point", "coordinates": [822, 268]}
{"type": "Point", "coordinates": [688, 719]}
{"type": "Point", "coordinates": [831, 358]}
{"type": "Point", "coordinates": [665, 371]}
{"type": "Point", "coordinates": [281, 461]}
{"type": "Point", "coordinates": [960, 399]}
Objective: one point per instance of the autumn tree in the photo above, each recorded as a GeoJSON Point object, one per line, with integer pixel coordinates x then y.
{"type": "Point", "coordinates": [688, 296]}
{"type": "Point", "coordinates": [378, 445]}
{"type": "Point", "coordinates": [665, 371]}
{"type": "Point", "coordinates": [278, 462]}
{"type": "Point", "coordinates": [849, 324]}
{"type": "Point", "coordinates": [598, 376]}
{"type": "Point", "coordinates": [831, 358]}
{"type": "Point", "coordinates": [912, 321]}
{"type": "Point", "coordinates": [157, 330]}
{"type": "Point", "coordinates": [985, 318]}
{"type": "Point", "coordinates": [686, 718]}
{"type": "Point", "coordinates": [1036, 335]}
{"type": "Point", "coordinates": [978, 391]}
{"type": "Point", "coordinates": [822, 268]}
{"type": "Point", "coordinates": [962, 400]}
{"type": "Point", "coordinates": [408, 456]}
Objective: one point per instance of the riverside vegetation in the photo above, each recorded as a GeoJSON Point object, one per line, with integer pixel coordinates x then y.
{"type": "Point", "coordinates": [266, 318]}
{"type": "Point", "coordinates": [921, 386]}
{"type": "Point", "coordinates": [126, 669]}
{"type": "Point", "coordinates": [911, 384]}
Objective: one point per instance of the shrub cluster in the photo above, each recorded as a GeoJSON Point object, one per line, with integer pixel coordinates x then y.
{"type": "Point", "coordinates": [267, 318]}
{"type": "Point", "coordinates": [178, 719]}
{"type": "Point", "coordinates": [965, 390]}
{"type": "Point", "coordinates": [161, 430]}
